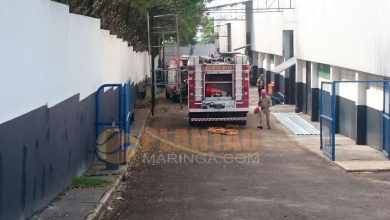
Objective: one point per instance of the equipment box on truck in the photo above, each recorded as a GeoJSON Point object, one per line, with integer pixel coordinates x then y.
{"type": "Point", "coordinates": [218, 91]}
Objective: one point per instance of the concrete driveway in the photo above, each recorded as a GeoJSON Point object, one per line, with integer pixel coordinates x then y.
{"type": "Point", "coordinates": [286, 182]}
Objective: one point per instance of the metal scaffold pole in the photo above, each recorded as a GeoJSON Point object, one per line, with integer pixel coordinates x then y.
{"type": "Point", "coordinates": [180, 70]}
{"type": "Point", "coordinates": [164, 43]}
{"type": "Point", "coordinates": [151, 65]}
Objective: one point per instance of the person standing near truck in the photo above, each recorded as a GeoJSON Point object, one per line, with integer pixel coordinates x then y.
{"type": "Point", "coordinates": [265, 103]}
{"type": "Point", "coordinates": [260, 83]}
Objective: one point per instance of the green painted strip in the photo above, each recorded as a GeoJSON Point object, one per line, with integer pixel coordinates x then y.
{"type": "Point", "coordinates": [324, 71]}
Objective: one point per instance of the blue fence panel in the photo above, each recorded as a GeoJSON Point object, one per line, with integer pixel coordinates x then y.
{"type": "Point", "coordinates": [113, 120]}
{"type": "Point", "coordinates": [327, 116]}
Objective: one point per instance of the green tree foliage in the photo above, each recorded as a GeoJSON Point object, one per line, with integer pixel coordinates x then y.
{"type": "Point", "coordinates": [127, 18]}
{"type": "Point", "coordinates": [206, 29]}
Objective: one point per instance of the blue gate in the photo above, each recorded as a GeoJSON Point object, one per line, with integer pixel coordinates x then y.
{"type": "Point", "coordinates": [113, 114]}
{"type": "Point", "coordinates": [328, 115]}
{"type": "Point", "coordinates": [386, 118]}
{"type": "Point", "coordinates": [327, 119]}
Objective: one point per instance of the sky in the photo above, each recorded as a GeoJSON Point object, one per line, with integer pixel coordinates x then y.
{"type": "Point", "coordinates": [225, 15]}
{"type": "Point", "coordinates": [216, 3]}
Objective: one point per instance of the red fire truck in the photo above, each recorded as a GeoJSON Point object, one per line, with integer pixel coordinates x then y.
{"type": "Point", "coordinates": [177, 71]}
{"type": "Point", "coordinates": [218, 90]}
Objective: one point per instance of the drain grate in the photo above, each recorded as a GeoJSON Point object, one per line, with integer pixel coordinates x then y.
{"type": "Point", "coordinates": [296, 124]}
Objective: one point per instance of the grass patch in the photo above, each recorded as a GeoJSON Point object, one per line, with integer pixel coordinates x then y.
{"type": "Point", "coordinates": [82, 181]}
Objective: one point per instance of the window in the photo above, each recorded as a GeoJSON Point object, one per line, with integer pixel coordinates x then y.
{"type": "Point", "coordinates": [324, 71]}
{"type": "Point", "coordinates": [272, 59]}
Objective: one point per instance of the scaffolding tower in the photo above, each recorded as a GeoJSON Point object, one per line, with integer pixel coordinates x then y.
{"type": "Point", "coordinates": [164, 43]}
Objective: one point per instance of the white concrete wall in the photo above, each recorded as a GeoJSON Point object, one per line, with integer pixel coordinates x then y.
{"type": "Point", "coordinates": [267, 33]}
{"type": "Point", "coordinates": [374, 93]}
{"type": "Point", "coordinates": [352, 34]}
{"type": "Point", "coordinates": [375, 97]}
{"type": "Point", "coordinates": [48, 55]}
{"type": "Point", "coordinates": [348, 90]}
{"type": "Point", "coordinates": [238, 35]}
{"type": "Point", "coordinates": [199, 49]}
{"type": "Point", "coordinates": [349, 33]}
{"type": "Point", "coordinates": [222, 40]}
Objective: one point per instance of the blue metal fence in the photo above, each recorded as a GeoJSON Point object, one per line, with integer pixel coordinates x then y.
{"type": "Point", "coordinates": [328, 116]}
{"type": "Point", "coordinates": [386, 118]}
{"type": "Point", "coordinates": [113, 110]}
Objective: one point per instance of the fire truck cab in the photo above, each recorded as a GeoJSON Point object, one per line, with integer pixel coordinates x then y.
{"type": "Point", "coordinates": [218, 90]}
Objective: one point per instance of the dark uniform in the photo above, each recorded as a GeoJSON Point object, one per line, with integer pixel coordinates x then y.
{"type": "Point", "coordinates": [260, 84]}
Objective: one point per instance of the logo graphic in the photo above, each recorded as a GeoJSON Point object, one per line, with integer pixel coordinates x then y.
{"type": "Point", "coordinates": [114, 146]}
{"type": "Point", "coordinates": [180, 146]}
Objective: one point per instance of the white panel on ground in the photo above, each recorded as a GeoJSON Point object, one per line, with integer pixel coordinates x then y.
{"type": "Point", "coordinates": [296, 124]}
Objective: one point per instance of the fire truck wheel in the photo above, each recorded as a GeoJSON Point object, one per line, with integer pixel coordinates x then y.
{"type": "Point", "coordinates": [175, 99]}
{"type": "Point", "coordinates": [166, 95]}
{"type": "Point", "coordinates": [191, 123]}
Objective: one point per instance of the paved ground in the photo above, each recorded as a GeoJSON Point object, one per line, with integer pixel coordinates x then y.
{"type": "Point", "coordinates": [349, 156]}
{"type": "Point", "coordinates": [289, 182]}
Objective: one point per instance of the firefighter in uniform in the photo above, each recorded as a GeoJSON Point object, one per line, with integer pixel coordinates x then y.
{"type": "Point", "coordinates": [265, 103]}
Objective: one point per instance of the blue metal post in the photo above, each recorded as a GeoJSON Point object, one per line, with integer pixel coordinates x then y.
{"type": "Point", "coordinates": [322, 88]}
{"type": "Point", "coordinates": [120, 106]}
{"type": "Point", "coordinates": [127, 104]}
{"type": "Point", "coordinates": [387, 116]}
{"type": "Point", "coordinates": [99, 123]}
{"type": "Point", "coordinates": [130, 106]}
{"type": "Point", "coordinates": [126, 115]}
{"type": "Point", "coordinates": [333, 120]}
{"type": "Point", "coordinates": [383, 118]}
{"type": "Point", "coordinates": [97, 113]}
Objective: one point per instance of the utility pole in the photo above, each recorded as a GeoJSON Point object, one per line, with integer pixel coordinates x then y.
{"type": "Point", "coordinates": [177, 52]}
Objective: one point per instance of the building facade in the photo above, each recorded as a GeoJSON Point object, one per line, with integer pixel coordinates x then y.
{"type": "Point", "coordinates": [328, 40]}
